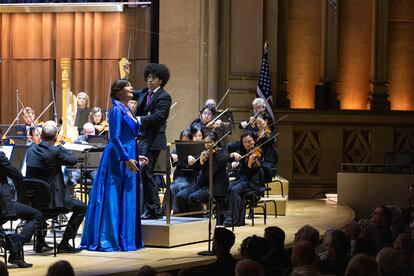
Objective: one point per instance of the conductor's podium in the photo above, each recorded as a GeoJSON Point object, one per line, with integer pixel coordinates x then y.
{"type": "Point", "coordinates": [275, 194]}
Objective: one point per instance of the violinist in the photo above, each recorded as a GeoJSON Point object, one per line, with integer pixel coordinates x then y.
{"type": "Point", "coordinates": [191, 198]}
{"type": "Point", "coordinates": [28, 117]}
{"type": "Point", "coordinates": [258, 106]}
{"type": "Point", "coordinates": [34, 135]}
{"type": "Point", "coordinates": [97, 120]}
{"type": "Point", "coordinates": [133, 105]}
{"type": "Point", "coordinates": [206, 116]}
{"type": "Point", "coordinates": [182, 177]}
{"type": "Point", "coordinates": [249, 177]}
{"type": "Point", "coordinates": [270, 154]}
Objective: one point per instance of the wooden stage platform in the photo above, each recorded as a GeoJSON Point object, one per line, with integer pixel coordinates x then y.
{"type": "Point", "coordinates": [322, 214]}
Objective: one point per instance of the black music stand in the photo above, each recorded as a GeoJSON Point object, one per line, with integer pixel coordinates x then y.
{"type": "Point", "coordinates": [220, 132]}
{"type": "Point", "coordinates": [92, 158]}
{"type": "Point", "coordinates": [82, 117]}
{"type": "Point", "coordinates": [97, 140]}
{"type": "Point", "coordinates": [186, 148]}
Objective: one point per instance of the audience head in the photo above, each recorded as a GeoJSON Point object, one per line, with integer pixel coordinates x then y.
{"type": "Point", "coordinates": [88, 129]}
{"type": "Point", "coordinates": [61, 268]}
{"type": "Point", "coordinates": [133, 105]}
{"type": "Point", "coordinates": [337, 244]}
{"type": "Point", "coordinates": [247, 267]}
{"type": "Point", "coordinates": [82, 100]}
{"type": "Point", "coordinates": [403, 245]}
{"type": "Point", "coordinates": [28, 115]}
{"type": "Point", "coordinates": [382, 216]}
{"type": "Point", "coordinates": [258, 105]}
{"type": "Point", "coordinates": [156, 75]}
{"type": "Point", "coordinates": [223, 240]}
{"type": "Point", "coordinates": [95, 116]}
{"type": "Point", "coordinates": [121, 90]}
{"type": "Point", "coordinates": [389, 263]}
{"type": "Point", "coordinates": [186, 135]}
{"type": "Point", "coordinates": [197, 132]}
{"type": "Point", "coordinates": [257, 248]}
{"type": "Point", "coordinates": [146, 270]}
{"type": "Point", "coordinates": [303, 253]}
{"type": "Point", "coordinates": [307, 233]}
{"type": "Point", "coordinates": [34, 134]}
{"type": "Point", "coordinates": [352, 230]}
{"type": "Point", "coordinates": [361, 265]}
{"type": "Point", "coordinates": [49, 133]}
{"type": "Point", "coordinates": [275, 237]}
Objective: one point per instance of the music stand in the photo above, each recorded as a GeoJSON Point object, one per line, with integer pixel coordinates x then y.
{"type": "Point", "coordinates": [186, 148]}
{"type": "Point", "coordinates": [82, 117]}
{"type": "Point", "coordinates": [220, 131]}
{"type": "Point", "coordinates": [97, 139]}
{"type": "Point", "coordinates": [18, 156]}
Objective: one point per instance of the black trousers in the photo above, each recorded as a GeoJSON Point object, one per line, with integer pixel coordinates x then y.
{"type": "Point", "coordinates": [78, 213]}
{"type": "Point", "coordinates": [150, 187]}
{"type": "Point", "coordinates": [31, 215]}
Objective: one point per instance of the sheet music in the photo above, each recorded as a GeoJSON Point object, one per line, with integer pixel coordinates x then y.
{"type": "Point", "coordinates": [76, 147]}
{"type": "Point", "coordinates": [7, 151]}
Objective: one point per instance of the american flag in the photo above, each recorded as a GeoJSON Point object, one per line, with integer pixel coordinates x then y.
{"type": "Point", "coordinates": [264, 87]}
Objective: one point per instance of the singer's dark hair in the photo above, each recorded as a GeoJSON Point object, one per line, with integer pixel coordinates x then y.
{"type": "Point", "coordinates": [117, 86]}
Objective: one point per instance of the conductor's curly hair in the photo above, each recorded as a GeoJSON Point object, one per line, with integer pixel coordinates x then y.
{"type": "Point", "coordinates": [157, 70]}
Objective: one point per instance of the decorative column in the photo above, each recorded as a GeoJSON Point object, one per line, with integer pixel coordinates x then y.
{"type": "Point", "coordinates": [330, 51]}
{"type": "Point", "coordinates": [379, 84]}
{"type": "Point", "coordinates": [282, 94]}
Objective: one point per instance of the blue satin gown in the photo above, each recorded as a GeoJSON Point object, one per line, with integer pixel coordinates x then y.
{"type": "Point", "coordinates": [112, 221]}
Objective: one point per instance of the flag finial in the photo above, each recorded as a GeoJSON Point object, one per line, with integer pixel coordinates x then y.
{"type": "Point", "coordinates": [265, 45]}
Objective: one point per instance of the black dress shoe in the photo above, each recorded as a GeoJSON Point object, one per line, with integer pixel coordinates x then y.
{"type": "Point", "coordinates": [19, 262]}
{"type": "Point", "coordinates": [67, 248]}
{"type": "Point", "coordinates": [43, 248]}
{"type": "Point", "coordinates": [151, 216]}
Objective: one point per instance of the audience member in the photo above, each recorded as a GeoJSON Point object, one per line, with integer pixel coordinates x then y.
{"type": "Point", "coordinates": [381, 218]}
{"type": "Point", "coordinates": [223, 241]}
{"type": "Point", "coordinates": [248, 267]}
{"type": "Point", "coordinates": [303, 259]}
{"type": "Point", "coordinates": [362, 265]}
{"type": "Point", "coordinates": [61, 268]}
{"type": "Point", "coordinates": [146, 270]}
{"type": "Point", "coordinates": [276, 261]}
{"type": "Point", "coordinates": [307, 233]}
{"type": "Point", "coordinates": [257, 248]}
{"type": "Point", "coordinates": [337, 257]}
{"type": "Point", "coordinates": [389, 263]}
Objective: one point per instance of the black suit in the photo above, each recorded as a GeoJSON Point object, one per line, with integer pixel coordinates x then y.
{"type": "Point", "coordinates": [45, 161]}
{"type": "Point", "coordinates": [153, 117]}
{"type": "Point", "coordinates": [10, 209]}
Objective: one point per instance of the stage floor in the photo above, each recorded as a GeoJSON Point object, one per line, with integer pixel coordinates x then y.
{"type": "Point", "coordinates": [321, 214]}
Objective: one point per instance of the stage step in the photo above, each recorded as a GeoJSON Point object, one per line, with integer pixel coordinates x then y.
{"type": "Point", "coordinates": [280, 202]}
{"type": "Point", "coordinates": [276, 187]}
{"type": "Point", "coordinates": [181, 231]}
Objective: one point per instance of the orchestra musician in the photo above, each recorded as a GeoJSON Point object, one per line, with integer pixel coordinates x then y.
{"type": "Point", "coordinates": [191, 198]}
{"type": "Point", "coordinates": [44, 162]}
{"type": "Point", "coordinates": [206, 115]}
{"type": "Point", "coordinates": [34, 135]}
{"type": "Point", "coordinates": [270, 154]}
{"type": "Point", "coordinates": [82, 100]}
{"type": "Point", "coordinates": [97, 120]}
{"type": "Point", "coordinates": [183, 175]}
{"type": "Point", "coordinates": [10, 209]}
{"type": "Point", "coordinates": [154, 104]}
{"type": "Point", "coordinates": [28, 117]}
{"type": "Point", "coordinates": [249, 177]}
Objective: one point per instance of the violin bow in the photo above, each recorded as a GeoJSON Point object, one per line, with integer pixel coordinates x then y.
{"type": "Point", "coordinates": [15, 119]}
{"type": "Point", "coordinates": [258, 146]}
{"type": "Point", "coordinates": [24, 108]}
{"type": "Point", "coordinates": [215, 144]}
{"type": "Point", "coordinates": [222, 99]}
{"type": "Point", "coordinates": [43, 112]}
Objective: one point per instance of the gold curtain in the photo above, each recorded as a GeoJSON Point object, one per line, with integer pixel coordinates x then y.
{"type": "Point", "coordinates": [33, 43]}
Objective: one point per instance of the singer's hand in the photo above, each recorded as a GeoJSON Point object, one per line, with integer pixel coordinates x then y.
{"type": "Point", "coordinates": [143, 160]}
{"type": "Point", "coordinates": [132, 165]}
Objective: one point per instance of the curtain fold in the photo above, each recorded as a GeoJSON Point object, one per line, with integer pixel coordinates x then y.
{"type": "Point", "coordinates": [32, 45]}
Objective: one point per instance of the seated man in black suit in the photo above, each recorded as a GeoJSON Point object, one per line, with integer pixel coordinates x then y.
{"type": "Point", "coordinates": [45, 161]}
{"type": "Point", "coordinates": [10, 209]}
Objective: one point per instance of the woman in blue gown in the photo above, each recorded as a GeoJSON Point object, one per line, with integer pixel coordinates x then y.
{"type": "Point", "coordinates": [112, 221]}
